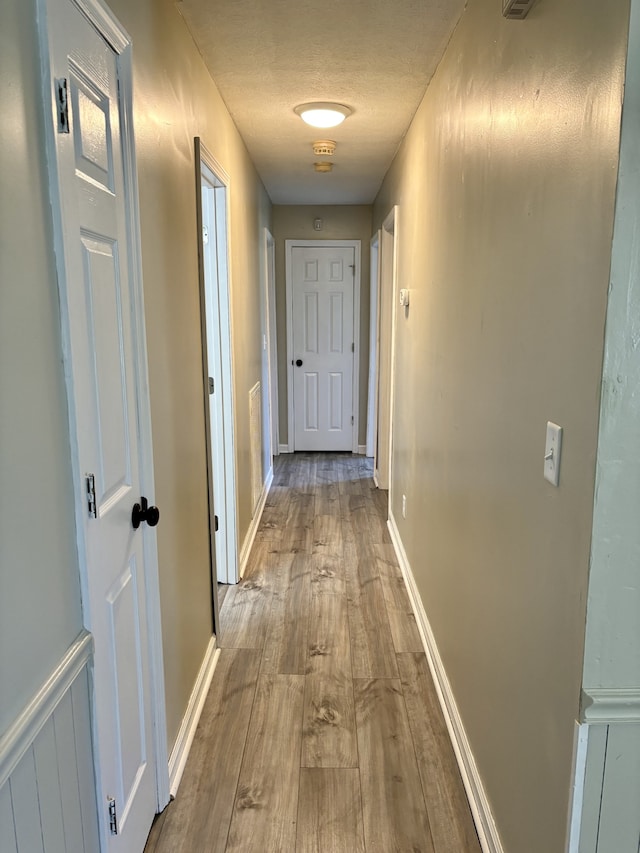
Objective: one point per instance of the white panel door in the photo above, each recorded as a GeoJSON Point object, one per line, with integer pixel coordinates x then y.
{"type": "Point", "coordinates": [95, 260]}
{"type": "Point", "coordinates": [323, 338]}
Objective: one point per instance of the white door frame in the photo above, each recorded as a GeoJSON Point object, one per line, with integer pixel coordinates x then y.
{"type": "Point", "coordinates": [110, 29]}
{"type": "Point", "coordinates": [386, 361]}
{"type": "Point", "coordinates": [221, 432]}
{"type": "Point", "coordinates": [290, 245]}
{"type": "Point", "coordinates": [272, 340]}
{"type": "Point", "coordinates": [374, 335]}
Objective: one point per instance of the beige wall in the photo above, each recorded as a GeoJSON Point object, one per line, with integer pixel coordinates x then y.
{"type": "Point", "coordinates": [39, 578]}
{"type": "Point", "coordinates": [175, 100]}
{"type": "Point", "coordinates": [340, 222]}
{"type": "Point", "coordinates": [505, 185]}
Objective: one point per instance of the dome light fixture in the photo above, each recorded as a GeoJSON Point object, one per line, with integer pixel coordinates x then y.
{"type": "Point", "coordinates": [322, 113]}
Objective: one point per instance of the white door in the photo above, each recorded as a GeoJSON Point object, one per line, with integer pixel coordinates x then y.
{"type": "Point", "coordinates": [323, 344]}
{"type": "Point", "coordinates": [95, 263]}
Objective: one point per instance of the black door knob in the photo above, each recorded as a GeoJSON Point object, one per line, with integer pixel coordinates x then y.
{"type": "Point", "coordinates": [143, 512]}
{"type": "Point", "coordinates": [299, 362]}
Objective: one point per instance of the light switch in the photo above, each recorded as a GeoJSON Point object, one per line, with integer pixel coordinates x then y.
{"type": "Point", "coordinates": [552, 450]}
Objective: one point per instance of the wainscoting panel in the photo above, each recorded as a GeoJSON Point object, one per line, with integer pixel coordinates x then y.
{"type": "Point", "coordinates": [47, 790]}
{"type": "Point", "coordinates": [605, 814]}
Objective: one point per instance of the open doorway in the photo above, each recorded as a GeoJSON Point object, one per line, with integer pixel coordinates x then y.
{"type": "Point", "coordinates": [212, 187]}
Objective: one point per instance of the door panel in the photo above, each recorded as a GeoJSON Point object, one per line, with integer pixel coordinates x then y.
{"type": "Point", "coordinates": [105, 405]}
{"type": "Point", "coordinates": [322, 307]}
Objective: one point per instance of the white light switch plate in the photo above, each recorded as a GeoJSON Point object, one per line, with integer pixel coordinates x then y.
{"type": "Point", "coordinates": [552, 450]}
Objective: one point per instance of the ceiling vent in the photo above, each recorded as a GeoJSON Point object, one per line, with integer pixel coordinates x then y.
{"type": "Point", "coordinates": [323, 167]}
{"type": "Point", "coordinates": [516, 10]}
{"type": "Point", "coordinates": [324, 148]}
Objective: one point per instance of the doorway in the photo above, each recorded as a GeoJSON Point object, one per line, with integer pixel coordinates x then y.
{"type": "Point", "coordinates": [212, 187]}
{"type": "Point", "coordinates": [323, 312]}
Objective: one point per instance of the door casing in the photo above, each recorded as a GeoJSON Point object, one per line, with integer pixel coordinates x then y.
{"type": "Point", "coordinates": [374, 346]}
{"type": "Point", "coordinates": [289, 246]}
{"type": "Point", "coordinates": [388, 262]}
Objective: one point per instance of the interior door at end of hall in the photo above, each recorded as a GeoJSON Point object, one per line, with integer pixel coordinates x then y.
{"type": "Point", "coordinates": [102, 328]}
{"type": "Point", "coordinates": [323, 343]}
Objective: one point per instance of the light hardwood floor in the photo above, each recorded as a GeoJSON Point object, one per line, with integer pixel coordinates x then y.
{"type": "Point", "coordinates": [322, 731]}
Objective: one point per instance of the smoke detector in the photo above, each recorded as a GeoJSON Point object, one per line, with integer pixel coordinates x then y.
{"type": "Point", "coordinates": [516, 10]}
{"type": "Point", "coordinates": [323, 166]}
{"type": "Point", "coordinates": [324, 148]}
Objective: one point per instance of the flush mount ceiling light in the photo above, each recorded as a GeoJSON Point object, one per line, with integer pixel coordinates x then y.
{"type": "Point", "coordinates": [322, 113]}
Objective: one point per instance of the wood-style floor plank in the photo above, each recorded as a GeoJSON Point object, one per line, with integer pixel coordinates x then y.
{"type": "Point", "coordinates": [285, 647]}
{"type": "Point", "coordinates": [404, 630]}
{"type": "Point", "coordinates": [394, 811]}
{"type": "Point", "coordinates": [329, 730]}
{"type": "Point", "coordinates": [450, 817]}
{"type": "Point", "coordinates": [330, 812]}
{"type": "Point", "coordinates": [266, 806]}
{"type": "Point", "coordinates": [243, 618]}
{"type": "Point", "coordinates": [199, 818]}
{"type": "Point", "coordinates": [372, 650]}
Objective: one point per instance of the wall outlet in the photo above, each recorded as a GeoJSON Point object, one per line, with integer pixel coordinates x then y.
{"type": "Point", "coordinates": [404, 506]}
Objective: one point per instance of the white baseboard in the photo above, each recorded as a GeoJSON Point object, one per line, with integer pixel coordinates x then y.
{"type": "Point", "coordinates": [284, 448]}
{"type": "Point", "coordinates": [478, 800]}
{"type": "Point", "coordinates": [362, 450]}
{"type": "Point", "coordinates": [255, 523]}
{"type": "Point", "coordinates": [180, 751]}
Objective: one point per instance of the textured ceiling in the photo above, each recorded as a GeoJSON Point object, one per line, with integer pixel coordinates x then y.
{"type": "Point", "coordinates": [267, 56]}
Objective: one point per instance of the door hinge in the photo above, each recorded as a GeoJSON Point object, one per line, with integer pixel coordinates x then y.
{"type": "Point", "coordinates": [91, 495]}
{"type": "Point", "coordinates": [353, 268]}
{"type": "Point", "coordinates": [211, 385]}
{"type": "Point", "coordinates": [351, 420]}
{"type": "Point", "coordinates": [113, 818]}
{"type": "Point", "coordinates": [216, 523]}
{"type": "Point", "coordinates": [62, 101]}
{"type": "Point", "coordinates": [353, 347]}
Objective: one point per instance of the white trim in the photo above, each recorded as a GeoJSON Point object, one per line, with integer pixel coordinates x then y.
{"type": "Point", "coordinates": [272, 338]}
{"type": "Point", "coordinates": [392, 219]}
{"type": "Point", "coordinates": [255, 523]}
{"type": "Point", "coordinates": [310, 244]}
{"type": "Point", "coordinates": [478, 800]}
{"type": "Point", "coordinates": [386, 356]}
{"type": "Point", "coordinates": [182, 746]}
{"type": "Point", "coordinates": [284, 448]}
{"type": "Point", "coordinates": [21, 734]}
{"type": "Point", "coordinates": [578, 774]}
{"type": "Point", "coordinates": [108, 27]}
{"type": "Point", "coordinates": [356, 346]}
{"type": "Point", "coordinates": [374, 344]}
{"type": "Point", "coordinates": [610, 705]}
{"type": "Point", "coordinates": [362, 450]}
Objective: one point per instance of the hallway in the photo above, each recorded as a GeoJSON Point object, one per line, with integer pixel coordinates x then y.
{"type": "Point", "coordinates": [322, 730]}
